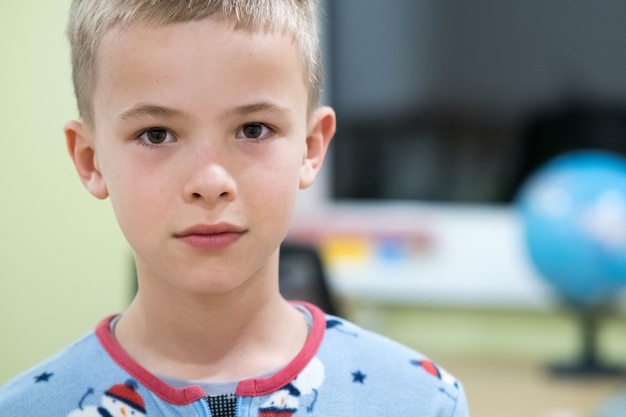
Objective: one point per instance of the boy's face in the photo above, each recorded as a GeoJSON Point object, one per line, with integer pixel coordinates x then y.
{"type": "Point", "coordinates": [201, 140]}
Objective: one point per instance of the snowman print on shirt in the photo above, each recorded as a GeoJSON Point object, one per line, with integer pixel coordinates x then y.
{"type": "Point", "coordinates": [121, 400]}
{"type": "Point", "coordinates": [286, 401]}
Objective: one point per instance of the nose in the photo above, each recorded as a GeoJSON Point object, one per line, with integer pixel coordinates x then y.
{"type": "Point", "coordinates": [123, 411]}
{"type": "Point", "coordinates": [209, 182]}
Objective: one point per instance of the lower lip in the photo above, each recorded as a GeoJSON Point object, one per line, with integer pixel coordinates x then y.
{"type": "Point", "coordinates": [211, 242]}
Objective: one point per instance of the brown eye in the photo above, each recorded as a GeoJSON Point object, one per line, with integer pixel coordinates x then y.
{"type": "Point", "coordinates": [253, 130]}
{"type": "Point", "coordinates": [156, 136]}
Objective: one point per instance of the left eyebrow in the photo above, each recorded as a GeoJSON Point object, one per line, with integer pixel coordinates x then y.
{"type": "Point", "coordinates": [262, 106]}
{"type": "Point", "coordinates": [153, 110]}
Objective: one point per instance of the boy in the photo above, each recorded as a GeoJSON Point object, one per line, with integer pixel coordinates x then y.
{"type": "Point", "coordinates": [200, 122]}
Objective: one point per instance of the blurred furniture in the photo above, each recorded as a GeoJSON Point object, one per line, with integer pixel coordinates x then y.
{"type": "Point", "coordinates": [302, 276]}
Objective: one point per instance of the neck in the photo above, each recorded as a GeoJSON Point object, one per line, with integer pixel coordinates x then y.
{"type": "Point", "coordinates": [221, 337]}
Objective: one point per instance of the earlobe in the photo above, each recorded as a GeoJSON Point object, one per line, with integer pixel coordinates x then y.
{"type": "Point", "coordinates": [83, 155]}
{"type": "Point", "coordinates": [321, 131]}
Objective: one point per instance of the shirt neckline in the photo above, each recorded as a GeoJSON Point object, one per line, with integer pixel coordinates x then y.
{"type": "Point", "coordinates": [220, 388]}
{"type": "Point", "coordinates": [246, 387]}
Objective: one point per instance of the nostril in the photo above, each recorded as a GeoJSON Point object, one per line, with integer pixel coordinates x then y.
{"type": "Point", "coordinates": [196, 195]}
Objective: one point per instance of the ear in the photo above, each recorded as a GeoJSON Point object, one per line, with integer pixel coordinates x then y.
{"type": "Point", "coordinates": [322, 127]}
{"type": "Point", "coordinates": [83, 155]}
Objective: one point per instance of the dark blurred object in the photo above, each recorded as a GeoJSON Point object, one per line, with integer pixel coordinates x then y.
{"type": "Point", "coordinates": [302, 276]}
{"type": "Point", "coordinates": [576, 124]}
{"type": "Point", "coordinates": [590, 363]}
{"type": "Point", "coordinates": [436, 155]}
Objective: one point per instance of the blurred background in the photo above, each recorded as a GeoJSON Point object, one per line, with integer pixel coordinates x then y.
{"type": "Point", "coordinates": [63, 263]}
{"type": "Point", "coordinates": [445, 109]}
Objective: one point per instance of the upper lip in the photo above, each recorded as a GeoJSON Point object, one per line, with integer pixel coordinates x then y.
{"type": "Point", "coordinates": [209, 229]}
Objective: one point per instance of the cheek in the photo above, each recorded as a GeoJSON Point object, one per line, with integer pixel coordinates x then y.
{"type": "Point", "coordinates": [137, 199]}
{"type": "Point", "coordinates": [275, 189]}
{"type": "Point", "coordinates": [133, 174]}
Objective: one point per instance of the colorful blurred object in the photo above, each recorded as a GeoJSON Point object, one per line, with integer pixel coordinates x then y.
{"type": "Point", "coordinates": [573, 213]}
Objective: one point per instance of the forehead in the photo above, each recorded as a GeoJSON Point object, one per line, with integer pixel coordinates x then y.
{"type": "Point", "coordinates": [201, 62]}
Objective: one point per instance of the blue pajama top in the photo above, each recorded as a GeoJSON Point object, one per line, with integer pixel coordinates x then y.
{"type": "Point", "coordinates": [342, 371]}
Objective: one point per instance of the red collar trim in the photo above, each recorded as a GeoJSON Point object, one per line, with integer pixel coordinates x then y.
{"type": "Point", "coordinates": [248, 387]}
{"type": "Point", "coordinates": [263, 386]}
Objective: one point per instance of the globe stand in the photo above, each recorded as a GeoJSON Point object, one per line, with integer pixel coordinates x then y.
{"type": "Point", "coordinates": [589, 363]}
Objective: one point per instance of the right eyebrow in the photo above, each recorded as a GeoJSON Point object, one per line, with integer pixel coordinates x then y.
{"type": "Point", "coordinates": [152, 110]}
{"type": "Point", "coordinates": [255, 107]}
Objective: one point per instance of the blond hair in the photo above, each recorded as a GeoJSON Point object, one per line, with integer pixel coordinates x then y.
{"type": "Point", "coordinates": [91, 19]}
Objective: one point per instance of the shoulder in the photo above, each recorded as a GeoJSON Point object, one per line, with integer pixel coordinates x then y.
{"type": "Point", "coordinates": [386, 369]}
{"type": "Point", "coordinates": [57, 383]}
{"type": "Point", "coordinates": [350, 341]}
{"type": "Point", "coordinates": [40, 373]}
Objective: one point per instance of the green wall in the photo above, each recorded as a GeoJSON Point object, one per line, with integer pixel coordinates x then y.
{"type": "Point", "coordinates": [63, 262]}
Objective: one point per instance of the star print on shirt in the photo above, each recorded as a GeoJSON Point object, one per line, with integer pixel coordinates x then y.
{"type": "Point", "coordinates": [338, 325]}
{"type": "Point", "coordinates": [45, 377]}
{"type": "Point", "coordinates": [359, 377]}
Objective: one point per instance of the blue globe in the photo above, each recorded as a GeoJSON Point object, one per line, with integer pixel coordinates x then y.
{"type": "Point", "coordinates": [573, 215]}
